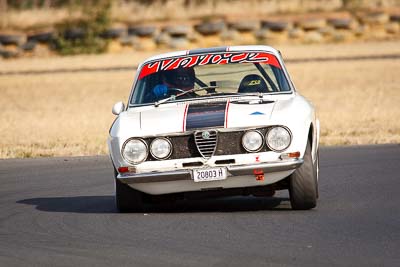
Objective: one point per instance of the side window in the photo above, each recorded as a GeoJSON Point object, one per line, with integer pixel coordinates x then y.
{"type": "Point", "coordinates": [281, 79]}
{"type": "Point", "coordinates": [144, 87]}
{"type": "Point", "coordinates": [138, 93]}
{"type": "Point", "coordinates": [272, 78]}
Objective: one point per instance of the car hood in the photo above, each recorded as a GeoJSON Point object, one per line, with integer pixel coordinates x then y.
{"type": "Point", "coordinates": [181, 117]}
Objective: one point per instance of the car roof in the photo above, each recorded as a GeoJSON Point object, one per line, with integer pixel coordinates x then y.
{"type": "Point", "coordinates": [221, 49]}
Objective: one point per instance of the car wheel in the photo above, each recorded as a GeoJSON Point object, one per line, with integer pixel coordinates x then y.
{"type": "Point", "coordinates": [127, 199]}
{"type": "Point", "coordinates": [303, 184]}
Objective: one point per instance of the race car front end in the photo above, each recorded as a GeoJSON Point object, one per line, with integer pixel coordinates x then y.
{"type": "Point", "coordinates": [206, 159]}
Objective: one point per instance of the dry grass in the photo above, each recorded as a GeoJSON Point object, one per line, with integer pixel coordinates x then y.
{"type": "Point", "coordinates": [74, 62]}
{"type": "Point", "coordinates": [339, 50]}
{"type": "Point", "coordinates": [59, 114]}
{"type": "Point", "coordinates": [70, 113]}
{"type": "Point", "coordinates": [357, 101]}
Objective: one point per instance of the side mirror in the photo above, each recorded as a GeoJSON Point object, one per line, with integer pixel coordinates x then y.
{"type": "Point", "coordinates": [118, 108]}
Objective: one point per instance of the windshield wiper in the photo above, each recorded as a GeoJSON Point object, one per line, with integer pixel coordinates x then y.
{"type": "Point", "coordinates": [209, 90]}
{"type": "Point", "coordinates": [256, 97]}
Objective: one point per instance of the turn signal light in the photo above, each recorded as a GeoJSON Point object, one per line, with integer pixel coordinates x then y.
{"type": "Point", "coordinates": [291, 155]}
{"type": "Point", "coordinates": [126, 169]}
{"type": "Point", "coordinates": [123, 169]}
{"type": "Point", "coordinates": [294, 154]}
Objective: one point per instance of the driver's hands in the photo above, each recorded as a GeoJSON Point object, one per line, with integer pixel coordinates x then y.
{"type": "Point", "coordinates": [160, 90]}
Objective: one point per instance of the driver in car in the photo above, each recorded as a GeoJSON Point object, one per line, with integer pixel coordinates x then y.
{"type": "Point", "coordinates": [175, 82]}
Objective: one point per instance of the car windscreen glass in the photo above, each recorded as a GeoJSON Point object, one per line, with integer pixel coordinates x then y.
{"type": "Point", "coordinates": [207, 80]}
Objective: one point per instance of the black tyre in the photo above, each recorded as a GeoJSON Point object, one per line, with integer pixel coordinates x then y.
{"type": "Point", "coordinates": [142, 31]}
{"type": "Point", "coordinates": [275, 26]}
{"type": "Point", "coordinates": [8, 54]}
{"type": "Point", "coordinates": [244, 26]}
{"type": "Point", "coordinates": [29, 46]}
{"type": "Point", "coordinates": [74, 34]}
{"type": "Point", "coordinates": [341, 23]}
{"type": "Point", "coordinates": [11, 39]}
{"type": "Point", "coordinates": [303, 184]}
{"type": "Point", "coordinates": [177, 31]}
{"type": "Point", "coordinates": [42, 37]}
{"type": "Point", "coordinates": [128, 199]}
{"type": "Point", "coordinates": [210, 28]}
{"type": "Point", "coordinates": [113, 33]}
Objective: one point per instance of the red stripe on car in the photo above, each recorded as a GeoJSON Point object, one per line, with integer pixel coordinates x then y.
{"type": "Point", "coordinates": [226, 114]}
{"type": "Point", "coordinates": [184, 118]}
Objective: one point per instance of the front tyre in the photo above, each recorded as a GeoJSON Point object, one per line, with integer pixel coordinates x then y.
{"type": "Point", "coordinates": [127, 199]}
{"type": "Point", "coordinates": [303, 184]}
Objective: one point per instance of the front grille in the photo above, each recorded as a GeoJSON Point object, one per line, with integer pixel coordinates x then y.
{"type": "Point", "coordinates": [192, 145]}
{"type": "Point", "coordinates": [206, 142]}
{"type": "Point", "coordinates": [230, 143]}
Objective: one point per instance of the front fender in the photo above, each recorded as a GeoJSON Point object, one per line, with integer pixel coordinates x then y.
{"type": "Point", "coordinates": [299, 116]}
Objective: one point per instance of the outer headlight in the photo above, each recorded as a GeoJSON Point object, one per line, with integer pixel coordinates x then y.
{"type": "Point", "coordinates": [135, 151]}
{"type": "Point", "coordinates": [278, 138]}
{"type": "Point", "coordinates": [161, 148]}
{"type": "Point", "coordinates": [252, 141]}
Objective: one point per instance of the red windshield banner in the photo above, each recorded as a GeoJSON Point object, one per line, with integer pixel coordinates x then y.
{"type": "Point", "coordinates": [199, 60]}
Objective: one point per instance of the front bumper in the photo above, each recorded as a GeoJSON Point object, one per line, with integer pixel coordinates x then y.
{"type": "Point", "coordinates": [186, 174]}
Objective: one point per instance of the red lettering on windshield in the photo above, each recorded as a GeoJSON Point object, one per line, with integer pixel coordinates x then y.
{"type": "Point", "coordinates": [199, 60]}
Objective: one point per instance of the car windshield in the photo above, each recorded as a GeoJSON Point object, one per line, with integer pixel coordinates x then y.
{"type": "Point", "coordinates": [201, 76]}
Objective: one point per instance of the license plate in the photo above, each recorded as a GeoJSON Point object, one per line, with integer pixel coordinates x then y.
{"type": "Point", "coordinates": [212, 174]}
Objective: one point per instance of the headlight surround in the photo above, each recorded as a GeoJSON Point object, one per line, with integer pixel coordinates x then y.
{"type": "Point", "coordinates": [135, 150]}
{"type": "Point", "coordinates": [278, 138]}
{"type": "Point", "coordinates": [252, 141]}
{"type": "Point", "coordinates": [160, 148]}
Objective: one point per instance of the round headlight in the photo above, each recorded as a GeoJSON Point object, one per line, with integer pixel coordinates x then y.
{"type": "Point", "coordinates": [252, 141]}
{"type": "Point", "coordinates": [160, 148]}
{"type": "Point", "coordinates": [278, 138]}
{"type": "Point", "coordinates": [135, 151]}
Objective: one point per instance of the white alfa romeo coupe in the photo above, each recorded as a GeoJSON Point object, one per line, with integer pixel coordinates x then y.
{"type": "Point", "coordinates": [214, 122]}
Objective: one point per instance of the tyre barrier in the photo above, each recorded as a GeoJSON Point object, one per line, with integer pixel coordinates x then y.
{"type": "Point", "coordinates": [210, 28]}
{"type": "Point", "coordinates": [162, 39]}
{"type": "Point", "coordinates": [311, 24]}
{"type": "Point", "coordinates": [395, 17]}
{"type": "Point", "coordinates": [178, 43]}
{"type": "Point", "coordinates": [142, 31]}
{"type": "Point", "coordinates": [375, 18]}
{"type": "Point", "coordinates": [262, 34]}
{"type": "Point", "coordinates": [127, 40]}
{"type": "Point", "coordinates": [73, 34]}
{"type": "Point", "coordinates": [275, 26]}
{"type": "Point", "coordinates": [11, 39]}
{"type": "Point", "coordinates": [8, 54]}
{"type": "Point", "coordinates": [113, 33]}
{"type": "Point", "coordinates": [177, 31]}
{"type": "Point", "coordinates": [342, 23]}
{"type": "Point", "coordinates": [244, 26]}
{"type": "Point", "coordinates": [339, 27]}
{"type": "Point", "coordinates": [29, 46]}
{"type": "Point", "coordinates": [42, 37]}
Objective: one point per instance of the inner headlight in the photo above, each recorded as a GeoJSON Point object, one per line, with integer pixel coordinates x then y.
{"type": "Point", "coordinates": [135, 151]}
{"type": "Point", "coordinates": [160, 148]}
{"type": "Point", "coordinates": [278, 138]}
{"type": "Point", "coordinates": [252, 141]}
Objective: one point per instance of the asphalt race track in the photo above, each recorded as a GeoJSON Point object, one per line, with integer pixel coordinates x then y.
{"type": "Point", "coordinates": [60, 212]}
